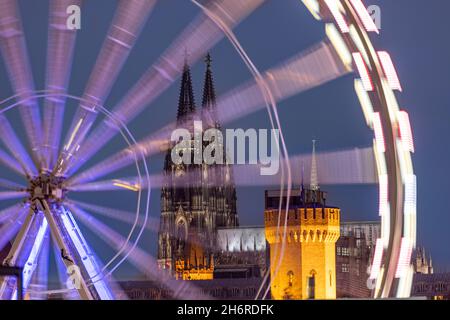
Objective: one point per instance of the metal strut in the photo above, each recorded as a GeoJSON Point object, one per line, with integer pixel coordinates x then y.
{"type": "Point", "coordinates": [80, 283]}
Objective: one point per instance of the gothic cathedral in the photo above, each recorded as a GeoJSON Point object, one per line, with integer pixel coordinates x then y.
{"type": "Point", "coordinates": [196, 198]}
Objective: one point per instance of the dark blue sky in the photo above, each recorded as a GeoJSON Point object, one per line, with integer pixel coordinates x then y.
{"type": "Point", "coordinates": [413, 31]}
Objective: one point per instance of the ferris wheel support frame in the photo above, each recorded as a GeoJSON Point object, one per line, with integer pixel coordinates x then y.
{"type": "Point", "coordinates": [73, 248]}
{"type": "Point", "coordinates": [45, 209]}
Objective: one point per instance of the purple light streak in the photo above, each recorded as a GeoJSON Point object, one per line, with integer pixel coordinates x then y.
{"type": "Point", "coordinates": [139, 258]}
{"type": "Point", "coordinates": [304, 71]}
{"type": "Point", "coordinates": [127, 25]}
{"type": "Point", "coordinates": [61, 43]}
{"type": "Point", "coordinates": [7, 213]}
{"type": "Point", "coordinates": [12, 226]}
{"type": "Point", "coordinates": [355, 166]}
{"type": "Point", "coordinates": [199, 37]}
{"type": "Point", "coordinates": [10, 163]}
{"type": "Point", "coordinates": [4, 183]}
{"type": "Point", "coordinates": [124, 216]}
{"type": "Point", "coordinates": [7, 195]}
{"type": "Point", "coordinates": [120, 215]}
{"type": "Point", "coordinates": [14, 52]}
{"type": "Point", "coordinates": [12, 143]}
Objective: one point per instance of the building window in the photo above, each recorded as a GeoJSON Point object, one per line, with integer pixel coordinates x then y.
{"type": "Point", "coordinates": [312, 285]}
{"type": "Point", "coordinates": [345, 251]}
{"type": "Point", "coordinates": [331, 279]}
{"type": "Point", "coordinates": [345, 267]}
{"type": "Point", "coordinates": [338, 251]}
{"type": "Point", "coordinates": [440, 287]}
{"type": "Point", "coordinates": [290, 275]}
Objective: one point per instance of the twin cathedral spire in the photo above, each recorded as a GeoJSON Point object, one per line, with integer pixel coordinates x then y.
{"type": "Point", "coordinates": [196, 199]}
{"type": "Point", "coordinates": [186, 101]}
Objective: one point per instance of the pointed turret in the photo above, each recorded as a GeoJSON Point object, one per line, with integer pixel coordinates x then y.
{"type": "Point", "coordinates": [186, 102]}
{"type": "Point", "coordinates": [209, 95]}
{"type": "Point", "coordinates": [314, 180]}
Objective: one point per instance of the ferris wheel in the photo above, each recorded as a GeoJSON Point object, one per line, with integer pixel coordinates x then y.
{"type": "Point", "coordinates": [52, 175]}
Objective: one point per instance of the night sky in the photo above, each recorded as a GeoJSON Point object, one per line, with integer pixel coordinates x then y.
{"type": "Point", "coordinates": [414, 33]}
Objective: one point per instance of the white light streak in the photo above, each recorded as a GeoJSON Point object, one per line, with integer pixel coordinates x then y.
{"type": "Point", "coordinates": [389, 70]}
{"type": "Point", "coordinates": [363, 71]}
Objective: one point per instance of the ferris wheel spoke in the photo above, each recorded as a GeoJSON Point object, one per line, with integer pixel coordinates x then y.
{"type": "Point", "coordinates": [123, 216]}
{"type": "Point", "coordinates": [10, 163]}
{"type": "Point", "coordinates": [61, 43]}
{"type": "Point", "coordinates": [11, 185]}
{"type": "Point", "coordinates": [136, 256]}
{"type": "Point", "coordinates": [128, 22]}
{"type": "Point", "coordinates": [306, 70]}
{"type": "Point", "coordinates": [9, 229]}
{"type": "Point", "coordinates": [13, 144]}
{"type": "Point", "coordinates": [346, 167]}
{"type": "Point", "coordinates": [14, 52]}
{"type": "Point", "coordinates": [7, 213]}
{"type": "Point", "coordinates": [199, 37]}
{"type": "Point", "coordinates": [353, 166]}
{"type": "Point", "coordinates": [122, 184]}
{"type": "Point", "coordinates": [116, 214]}
{"type": "Point", "coordinates": [8, 195]}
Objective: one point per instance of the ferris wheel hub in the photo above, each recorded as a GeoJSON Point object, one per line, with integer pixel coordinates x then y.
{"type": "Point", "coordinates": [47, 186]}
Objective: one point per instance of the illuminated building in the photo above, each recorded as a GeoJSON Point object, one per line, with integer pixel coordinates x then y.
{"type": "Point", "coordinates": [435, 286]}
{"type": "Point", "coordinates": [191, 211]}
{"type": "Point", "coordinates": [306, 268]}
{"type": "Point", "coordinates": [421, 263]}
{"type": "Point", "coordinates": [354, 252]}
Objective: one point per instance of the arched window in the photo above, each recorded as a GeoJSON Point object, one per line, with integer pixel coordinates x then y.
{"type": "Point", "coordinates": [312, 285]}
{"type": "Point", "coordinates": [290, 275]}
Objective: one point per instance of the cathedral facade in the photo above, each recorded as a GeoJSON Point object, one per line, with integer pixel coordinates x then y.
{"type": "Point", "coordinates": [196, 198]}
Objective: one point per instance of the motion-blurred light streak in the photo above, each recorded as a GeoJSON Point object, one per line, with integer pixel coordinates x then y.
{"type": "Point", "coordinates": [7, 195]}
{"type": "Point", "coordinates": [11, 185]}
{"type": "Point", "coordinates": [7, 213]}
{"type": "Point", "coordinates": [15, 147]}
{"type": "Point", "coordinates": [61, 43]}
{"type": "Point", "coordinates": [143, 261]}
{"type": "Point", "coordinates": [302, 72]}
{"type": "Point", "coordinates": [117, 214]}
{"type": "Point", "coordinates": [10, 163]}
{"type": "Point", "coordinates": [14, 52]}
{"type": "Point", "coordinates": [126, 27]}
{"type": "Point", "coordinates": [355, 166]}
{"type": "Point", "coordinates": [12, 226]}
{"type": "Point", "coordinates": [197, 38]}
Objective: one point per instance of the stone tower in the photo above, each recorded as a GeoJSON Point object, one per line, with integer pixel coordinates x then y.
{"type": "Point", "coordinates": [196, 199]}
{"type": "Point", "coordinates": [421, 263]}
{"type": "Point", "coordinates": [306, 247]}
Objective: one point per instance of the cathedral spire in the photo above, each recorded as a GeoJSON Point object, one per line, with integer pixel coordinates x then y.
{"type": "Point", "coordinates": [314, 180]}
{"type": "Point", "coordinates": [209, 93]}
{"type": "Point", "coordinates": [186, 102]}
